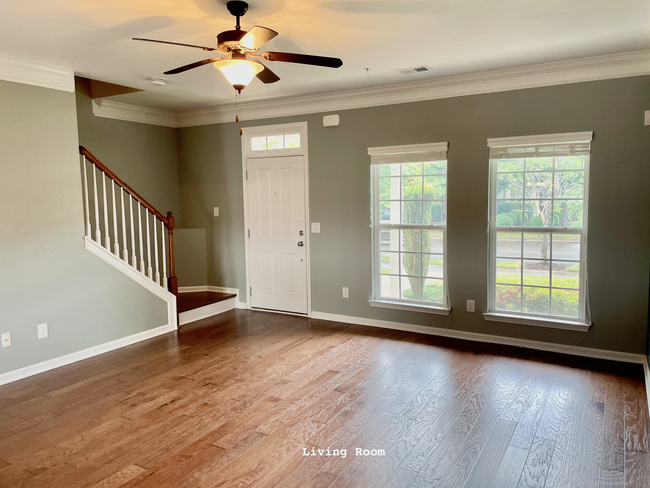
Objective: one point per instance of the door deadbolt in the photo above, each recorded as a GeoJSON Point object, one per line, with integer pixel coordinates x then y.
{"type": "Point", "coordinates": [300, 244]}
{"type": "Point", "coordinates": [302, 233]}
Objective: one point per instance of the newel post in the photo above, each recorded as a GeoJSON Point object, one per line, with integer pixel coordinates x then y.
{"type": "Point", "coordinates": [173, 281]}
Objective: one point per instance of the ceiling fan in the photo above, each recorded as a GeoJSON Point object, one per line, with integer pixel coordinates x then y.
{"type": "Point", "coordinates": [238, 45]}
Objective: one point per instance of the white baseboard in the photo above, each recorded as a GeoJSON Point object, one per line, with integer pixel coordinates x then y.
{"type": "Point", "coordinates": [192, 289]}
{"type": "Point", "coordinates": [491, 339]}
{"type": "Point", "coordinates": [50, 364]}
{"type": "Point", "coordinates": [217, 289]}
{"type": "Point", "coordinates": [207, 311]}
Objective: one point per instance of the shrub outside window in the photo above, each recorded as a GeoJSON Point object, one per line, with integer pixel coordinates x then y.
{"type": "Point", "coordinates": [538, 232]}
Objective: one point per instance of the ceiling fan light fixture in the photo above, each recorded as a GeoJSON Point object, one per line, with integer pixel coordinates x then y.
{"type": "Point", "coordinates": [239, 72]}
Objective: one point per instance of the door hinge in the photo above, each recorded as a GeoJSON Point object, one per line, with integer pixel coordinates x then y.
{"type": "Point", "coordinates": [251, 289]}
{"type": "Point", "coordinates": [249, 233]}
{"type": "Point", "coordinates": [246, 174]}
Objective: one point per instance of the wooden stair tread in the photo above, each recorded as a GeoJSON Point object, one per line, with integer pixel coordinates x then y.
{"type": "Point", "coordinates": [191, 301]}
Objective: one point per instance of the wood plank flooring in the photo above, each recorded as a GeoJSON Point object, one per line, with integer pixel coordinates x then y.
{"type": "Point", "coordinates": [236, 400]}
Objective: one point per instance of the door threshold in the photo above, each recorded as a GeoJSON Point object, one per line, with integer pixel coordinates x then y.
{"type": "Point", "coordinates": [285, 312]}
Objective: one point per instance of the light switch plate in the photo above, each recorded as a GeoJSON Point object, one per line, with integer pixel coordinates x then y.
{"type": "Point", "coordinates": [315, 228]}
{"type": "Point", "coordinates": [42, 331]}
{"type": "Point", "coordinates": [647, 117]}
{"type": "Point", "coordinates": [471, 307]}
{"type": "Point", "coordinates": [216, 211]}
{"type": "Point", "coordinates": [346, 292]}
{"type": "Point", "coordinates": [6, 339]}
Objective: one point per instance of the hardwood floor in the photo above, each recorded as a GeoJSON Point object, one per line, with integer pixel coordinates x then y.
{"type": "Point", "coordinates": [236, 400]}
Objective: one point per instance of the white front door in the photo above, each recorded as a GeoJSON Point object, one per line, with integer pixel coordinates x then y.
{"type": "Point", "coordinates": [277, 242]}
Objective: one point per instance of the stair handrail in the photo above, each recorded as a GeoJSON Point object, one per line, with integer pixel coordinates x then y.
{"type": "Point", "coordinates": [169, 221]}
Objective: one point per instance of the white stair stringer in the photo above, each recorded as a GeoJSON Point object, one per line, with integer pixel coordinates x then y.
{"type": "Point", "coordinates": [125, 268]}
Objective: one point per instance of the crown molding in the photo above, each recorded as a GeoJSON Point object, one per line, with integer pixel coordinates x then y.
{"type": "Point", "coordinates": [532, 76]}
{"type": "Point", "coordinates": [36, 74]}
{"type": "Point", "coordinates": [133, 113]}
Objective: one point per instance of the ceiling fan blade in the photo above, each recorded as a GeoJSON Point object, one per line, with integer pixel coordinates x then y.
{"type": "Point", "coordinates": [192, 66]}
{"type": "Point", "coordinates": [176, 44]}
{"type": "Point", "coordinates": [267, 76]}
{"type": "Point", "coordinates": [256, 37]}
{"type": "Point", "coordinates": [304, 59]}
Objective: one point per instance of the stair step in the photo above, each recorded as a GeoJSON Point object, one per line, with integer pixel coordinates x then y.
{"type": "Point", "coordinates": [191, 301]}
{"type": "Point", "coordinates": [201, 305]}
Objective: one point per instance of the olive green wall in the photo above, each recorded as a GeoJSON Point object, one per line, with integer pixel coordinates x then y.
{"type": "Point", "coordinates": [191, 257]}
{"type": "Point", "coordinates": [143, 155]}
{"type": "Point", "coordinates": [46, 275]}
{"type": "Point", "coordinates": [619, 210]}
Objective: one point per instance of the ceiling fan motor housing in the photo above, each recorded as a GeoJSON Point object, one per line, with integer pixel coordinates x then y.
{"type": "Point", "coordinates": [229, 40]}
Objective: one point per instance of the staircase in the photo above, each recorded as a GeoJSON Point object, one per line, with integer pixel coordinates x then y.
{"type": "Point", "coordinates": [127, 232]}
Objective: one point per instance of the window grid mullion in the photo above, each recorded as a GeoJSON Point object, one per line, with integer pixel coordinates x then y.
{"type": "Point", "coordinates": [550, 236]}
{"type": "Point", "coordinates": [521, 271]}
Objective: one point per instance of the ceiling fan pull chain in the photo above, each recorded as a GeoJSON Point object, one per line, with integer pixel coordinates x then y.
{"type": "Point", "coordinates": [237, 106]}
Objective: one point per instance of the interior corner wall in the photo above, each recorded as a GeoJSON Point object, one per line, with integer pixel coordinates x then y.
{"type": "Point", "coordinates": [145, 156]}
{"type": "Point", "coordinates": [619, 208]}
{"type": "Point", "coordinates": [46, 275]}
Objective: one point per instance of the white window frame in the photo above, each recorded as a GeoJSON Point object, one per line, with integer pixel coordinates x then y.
{"type": "Point", "coordinates": [394, 153]}
{"type": "Point", "coordinates": [582, 323]}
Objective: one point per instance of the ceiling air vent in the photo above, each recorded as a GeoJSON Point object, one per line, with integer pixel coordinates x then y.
{"type": "Point", "coordinates": [417, 69]}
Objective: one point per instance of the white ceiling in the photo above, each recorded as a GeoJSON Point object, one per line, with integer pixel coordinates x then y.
{"type": "Point", "coordinates": [93, 37]}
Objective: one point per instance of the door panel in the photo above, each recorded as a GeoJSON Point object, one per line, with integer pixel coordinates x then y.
{"type": "Point", "coordinates": [276, 206]}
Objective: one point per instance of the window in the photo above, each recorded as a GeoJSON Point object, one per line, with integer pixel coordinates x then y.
{"type": "Point", "coordinates": [538, 232]}
{"type": "Point", "coordinates": [409, 214]}
{"type": "Point", "coordinates": [270, 143]}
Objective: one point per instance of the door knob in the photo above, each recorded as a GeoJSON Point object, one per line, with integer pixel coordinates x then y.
{"type": "Point", "coordinates": [300, 244]}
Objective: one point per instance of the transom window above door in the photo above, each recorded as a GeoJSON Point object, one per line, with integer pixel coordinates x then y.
{"type": "Point", "coordinates": [271, 143]}
{"type": "Point", "coordinates": [274, 141]}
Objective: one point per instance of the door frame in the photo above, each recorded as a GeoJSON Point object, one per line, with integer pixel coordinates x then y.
{"type": "Point", "coordinates": [266, 130]}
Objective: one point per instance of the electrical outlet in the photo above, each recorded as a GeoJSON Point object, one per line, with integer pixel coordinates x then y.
{"type": "Point", "coordinates": [42, 331]}
{"type": "Point", "coordinates": [471, 307]}
{"type": "Point", "coordinates": [216, 211]}
{"type": "Point", "coordinates": [315, 228]}
{"type": "Point", "coordinates": [6, 339]}
{"type": "Point", "coordinates": [346, 292]}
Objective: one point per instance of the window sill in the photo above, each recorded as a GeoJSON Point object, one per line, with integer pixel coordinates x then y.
{"type": "Point", "coordinates": [409, 307]}
{"type": "Point", "coordinates": [537, 321]}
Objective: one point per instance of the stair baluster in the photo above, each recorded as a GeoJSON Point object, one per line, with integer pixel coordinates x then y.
{"type": "Point", "coordinates": [155, 248]}
{"type": "Point", "coordinates": [140, 239]}
{"type": "Point", "coordinates": [125, 252]}
{"type": "Point", "coordinates": [107, 238]}
{"type": "Point", "coordinates": [98, 233]}
{"type": "Point", "coordinates": [116, 249]}
{"type": "Point", "coordinates": [86, 206]}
